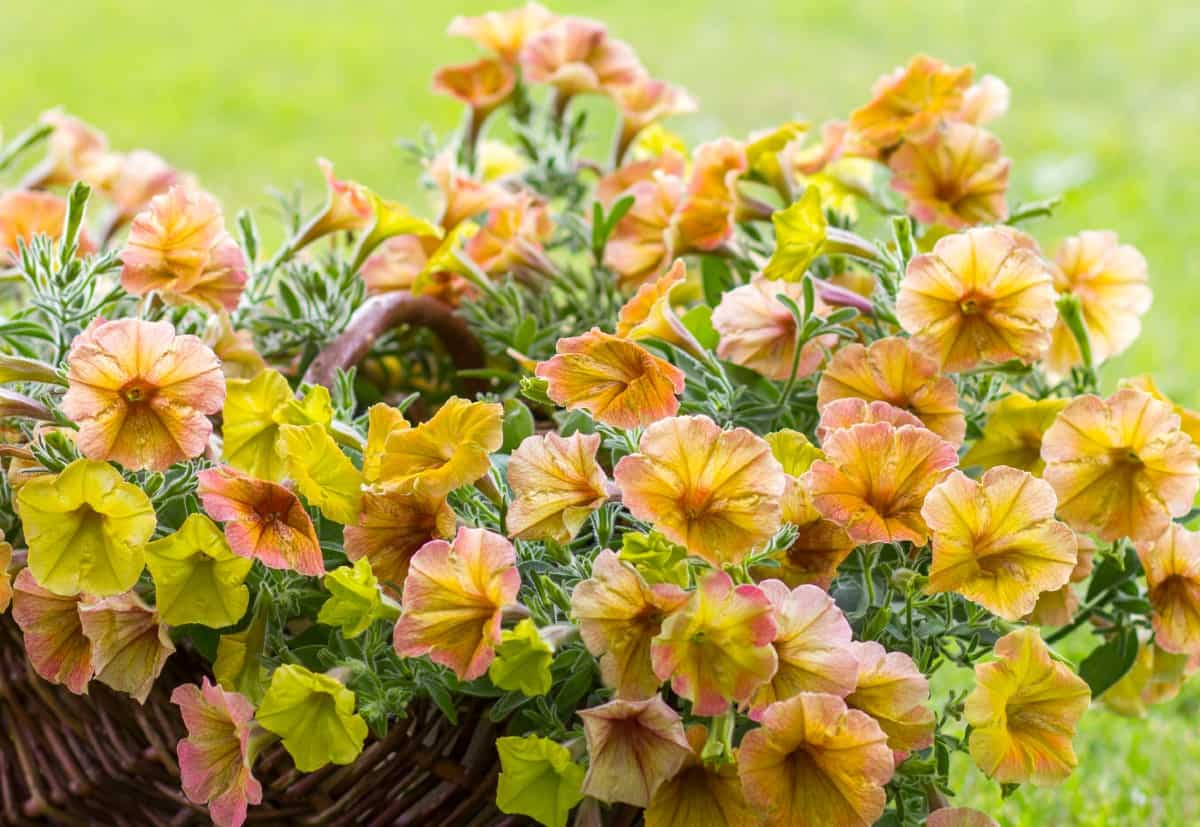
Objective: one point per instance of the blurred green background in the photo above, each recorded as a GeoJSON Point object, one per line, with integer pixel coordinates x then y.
{"type": "Point", "coordinates": [1105, 110]}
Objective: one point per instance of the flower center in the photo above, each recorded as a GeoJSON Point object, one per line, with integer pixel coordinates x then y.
{"type": "Point", "coordinates": [970, 306]}
{"type": "Point", "coordinates": [1126, 459]}
{"type": "Point", "coordinates": [137, 391]}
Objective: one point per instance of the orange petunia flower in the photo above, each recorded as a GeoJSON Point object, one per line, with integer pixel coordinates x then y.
{"type": "Point", "coordinates": [462, 196]}
{"type": "Point", "coordinates": [449, 450]}
{"type": "Point", "coordinates": [910, 100]}
{"type": "Point", "coordinates": [619, 614]}
{"type": "Point", "coordinates": [955, 176]}
{"type": "Point", "coordinates": [646, 238]}
{"type": "Point", "coordinates": [647, 101]}
{"type": "Point", "coordinates": [1023, 712]}
{"type": "Point", "coordinates": [1121, 467]}
{"type": "Point", "coordinates": [131, 179]}
{"type": "Point", "coordinates": [180, 248]}
{"type": "Point", "coordinates": [633, 747]}
{"type": "Point", "coordinates": [73, 150]}
{"type": "Point", "coordinates": [348, 207]}
{"type": "Point", "coordinates": [483, 84]}
{"type": "Point", "coordinates": [557, 484]}
{"type": "Point", "coordinates": [504, 32]}
{"type": "Point", "coordinates": [846, 413]}
{"type": "Point", "coordinates": [1057, 608]}
{"type": "Point", "coordinates": [980, 296]}
{"type": "Point", "coordinates": [996, 541]}
{"type": "Point", "coordinates": [717, 493]}
{"type": "Point", "coordinates": [670, 164]}
{"type": "Point", "coordinates": [617, 381]}
{"type": "Point", "coordinates": [1189, 421]}
{"type": "Point", "coordinates": [1109, 279]}
{"type": "Point", "coordinates": [25, 214]}
{"type": "Point", "coordinates": [512, 238]}
{"type": "Point", "coordinates": [891, 689]}
{"type": "Point", "coordinates": [1013, 433]}
{"type": "Point", "coordinates": [393, 525]}
{"type": "Point", "coordinates": [812, 641]}
{"type": "Point", "coordinates": [263, 520]}
{"type": "Point", "coordinates": [453, 598]}
{"type": "Point", "coordinates": [701, 794]}
{"type": "Point", "coordinates": [893, 371]}
{"type": "Point", "coordinates": [649, 313]}
{"type": "Point", "coordinates": [709, 209]}
{"type": "Point", "coordinates": [577, 56]}
{"type": "Point", "coordinates": [816, 762]}
{"type": "Point", "coordinates": [1172, 566]}
{"type": "Point", "coordinates": [759, 332]}
{"type": "Point", "coordinates": [716, 648]}
{"type": "Point", "coordinates": [876, 479]}
{"type": "Point", "coordinates": [141, 394]}
{"type": "Point", "coordinates": [53, 635]}
{"type": "Point", "coordinates": [130, 643]}
{"type": "Point", "coordinates": [397, 262]}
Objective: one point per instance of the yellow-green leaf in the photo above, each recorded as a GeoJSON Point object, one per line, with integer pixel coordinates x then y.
{"type": "Point", "coordinates": [197, 577]}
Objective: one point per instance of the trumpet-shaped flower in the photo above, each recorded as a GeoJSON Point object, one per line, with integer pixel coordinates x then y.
{"type": "Point", "coordinates": [197, 577]}
{"type": "Point", "coordinates": [701, 794]}
{"type": "Point", "coordinates": [646, 239]}
{"type": "Point", "coordinates": [141, 394]}
{"type": "Point", "coordinates": [846, 413]}
{"type": "Point", "coordinates": [633, 748]}
{"type": "Point", "coordinates": [980, 296]}
{"type": "Point", "coordinates": [315, 717]}
{"type": "Point", "coordinates": [537, 779]}
{"type": "Point", "coordinates": [716, 648]}
{"type": "Point", "coordinates": [876, 479]}
{"type": "Point", "coordinates": [650, 314]}
{"type": "Point", "coordinates": [1155, 677]}
{"type": "Point", "coordinates": [449, 450]}
{"type": "Point", "coordinates": [1172, 566]}
{"type": "Point", "coordinates": [891, 370]}
{"type": "Point", "coordinates": [393, 526]}
{"type": "Point", "coordinates": [325, 476]}
{"type": "Point", "coordinates": [130, 644]}
{"type": "Point", "coordinates": [619, 615]}
{"type": "Point", "coordinates": [984, 101]}
{"type": "Point", "coordinates": [647, 101]}
{"type": "Point", "coordinates": [1013, 433]}
{"type": "Point", "coordinates": [708, 212]}
{"type": "Point", "coordinates": [86, 528]}
{"type": "Point", "coordinates": [453, 598]}
{"type": "Point", "coordinates": [812, 640]}
{"type": "Point", "coordinates": [955, 177]}
{"type": "Point", "coordinates": [234, 348]}
{"type": "Point", "coordinates": [1109, 279]}
{"type": "Point", "coordinates": [1057, 608]}
{"type": "Point", "coordinates": [216, 758]}
{"type": "Point", "coordinates": [1121, 467]}
{"type": "Point", "coordinates": [800, 232]}
{"type": "Point", "coordinates": [74, 149]}
{"type": "Point", "coordinates": [132, 179]}
{"type": "Point", "coordinates": [354, 599]}
{"type": "Point", "coordinates": [523, 661]}
{"type": "Point", "coordinates": [397, 262]}
{"type": "Point", "coordinates": [716, 493]}
{"type": "Point", "coordinates": [53, 634]}
{"type": "Point", "coordinates": [512, 238]}
{"type": "Point", "coordinates": [910, 100]}
{"type": "Point", "coordinates": [617, 381]}
{"type": "Point", "coordinates": [263, 520]}
{"type": "Point", "coordinates": [815, 762]}
{"type": "Point", "coordinates": [1023, 712]}
{"type": "Point", "coordinates": [504, 32]}
{"type": "Point", "coordinates": [891, 689]}
{"type": "Point", "coordinates": [996, 541]}
{"type": "Point", "coordinates": [462, 196]}
{"type": "Point", "coordinates": [669, 164]}
{"type": "Point", "coordinates": [759, 332]}
{"type": "Point", "coordinates": [1189, 421]}
{"type": "Point", "coordinates": [348, 207]}
{"type": "Point", "coordinates": [482, 85]}
{"type": "Point", "coordinates": [25, 214]}
{"type": "Point", "coordinates": [556, 484]}
{"type": "Point", "coordinates": [577, 56]}
{"type": "Point", "coordinates": [255, 410]}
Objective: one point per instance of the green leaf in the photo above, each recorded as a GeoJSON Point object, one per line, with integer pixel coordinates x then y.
{"type": "Point", "coordinates": [522, 661]}
{"type": "Point", "coordinates": [238, 666]}
{"type": "Point", "coordinates": [538, 779]}
{"type": "Point", "coordinates": [518, 425]}
{"type": "Point", "coordinates": [698, 321]}
{"type": "Point", "coordinates": [716, 279]}
{"type": "Point", "coordinates": [1109, 661]}
{"type": "Point", "coordinates": [314, 715]}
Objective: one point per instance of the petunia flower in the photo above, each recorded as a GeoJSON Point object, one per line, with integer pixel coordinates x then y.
{"type": "Point", "coordinates": [449, 450]}
{"type": "Point", "coordinates": [462, 196]}
{"type": "Point", "coordinates": [759, 332]}
{"type": "Point", "coordinates": [6, 591]}
{"type": "Point", "coordinates": [717, 493]}
{"type": "Point", "coordinates": [812, 640]}
{"type": "Point", "coordinates": [347, 208]}
{"type": "Point", "coordinates": [263, 520]}
{"type": "Point", "coordinates": [814, 761]}
{"type": "Point", "coordinates": [655, 557]}
{"type": "Point", "coordinates": [617, 381]}
{"type": "Point", "coordinates": [314, 715]}
{"type": "Point", "coordinates": [980, 296]}
{"type": "Point", "coordinates": [216, 759]}
{"type": "Point", "coordinates": [393, 525]}
{"type": "Point", "coordinates": [876, 479]}
{"type": "Point", "coordinates": [891, 370]}
{"type": "Point", "coordinates": [619, 614]}
{"type": "Point", "coordinates": [53, 634]}
{"type": "Point", "coordinates": [86, 528]}
{"type": "Point", "coordinates": [701, 794]}
{"type": "Point", "coordinates": [197, 577]}
{"type": "Point", "coordinates": [955, 176]}
{"type": "Point", "coordinates": [767, 152]}
{"type": "Point", "coordinates": [141, 394]}
{"type": "Point", "coordinates": [537, 779]}
{"type": "Point", "coordinates": [234, 349]}
{"type": "Point", "coordinates": [179, 247]}
{"type": "Point", "coordinates": [131, 179]}
{"type": "Point", "coordinates": [669, 165]}
{"type": "Point", "coordinates": [841, 414]}
{"type": "Point", "coordinates": [556, 483]}
{"type": "Point", "coordinates": [959, 817]}
{"type": "Point", "coordinates": [576, 56]}
{"type": "Point", "coordinates": [1109, 279]}
{"type": "Point", "coordinates": [322, 473]}
{"type": "Point", "coordinates": [523, 660]}
{"type": "Point", "coordinates": [649, 313]}
{"type": "Point", "coordinates": [1023, 712]}
{"type": "Point", "coordinates": [1121, 467]}
{"type": "Point", "coordinates": [1172, 566]}
{"type": "Point", "coordinates": [130, 644]}
{"type": "Point", "coordinates": [708, 211]}
{"type": "Point", "coordinates": [996, 542]}
{"type": "Point", "coordinates": [1189, 421]}
{"type": "Point", "coordinates": [255, 410]}
{"type": "Point", "coordinates": [453, 598]}
{"type": "Point", "coordinates": [716, 648]}
{"type": "Point", "coordinates": [1155, 677]}
{"type": "Point", "coordinates": [512, 238]}
{"type": "Point", "coordinates": [984, 101]}
{"type": "Point", "coordinates": [1013, 433]}
{"type": "Point", "coordinates": [891, 689]}
{"type": "Point", "coordinates": [646, 239]}
{"type": "Point", "coordinates": [354, 599]}
{"type": "Point", "coordinates": [647, 101]}
{"type": "Point", "coordinates": [909, 101]}
{"type": "Point", "coordinates": [397, 262]}
{"type": "Point", "coordinates": [25, 214]}
{"type": "Point", "coordinates": [73, 150]}
{"type": "Point", "coordinates": [633, 748]}
{"type": "Point", "coordinates": [504, 32]}
{"type": "Point", "coordinates": [483, 85]}
{"type": "Point", "coordinates": [801, 230]}
{"type": "Point", "coordinates": [1057, 608]}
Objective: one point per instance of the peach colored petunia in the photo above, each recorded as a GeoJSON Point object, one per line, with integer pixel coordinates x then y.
{"type": "Point", "coordinates": [512, 238]}
{"type": "Point", "coordinates": [140, 394]}
{"type": "Point", "coordinates": [996, 541]}
{"type": "Point", "coordinates": [619, 614]}
{"type": "Point", "coordinates": [646, 238]}
{"type": "Point", "coordinates": [960, 817]}
{"type": "Point", "coordinates": [984, 101]}
{"type": "Point", "coordinates": [453, 598]}
{"type": "Point", "coordinates": [891, 689]}
{"type": "Point", "coordinates": [483, 84]}
{"type": "Point", "coordinates": [25, 214]}
{"type": "Point", "coordinates": [397, 262]}
{"type": "Point", "coordinates": [617, 381]}
{"type": "Point", "coordinates": [130, 643]}
{"type": "Point", "coordinates": [1109, 279]}
{"type": "Point", "coordinates": [449, 450]}
{"type": "Point", "coordinates": [74, 150]}
{"type": "Point", "coordinates": [701, 794]}
{"type": "Point", "coordinates": [1013, 433]}
{"type": "Point", "coordinates": [892, 370]}
{"type": "Point", "coordinates": [1172, 566]}
{"type": "Point", "coordinates": [717, 493]}
{"type": "Point", "coordinates": [846, 413]}
{"type": "Point", "coordinates": [461, 195]}
{"type": "Point", "coordinates": [263, 520]}
{"type": "Point", "coordinates": [393, 525]}
{"type": "Point", "coordinates": [1023, 712]}
{"type": "Point", "coordinates": [53, 635]}
{"type": "Point", "coordinates": [619, 182]}
{"type": "Point", "coordinates": [1121, 467]}
{"type": "Point", "coordinates": [216, 758]}
{"type": "Point", "coordinates": [633, 747]}
{"type": "Point", "coordinates": [504, 32]}
{"type": "Point", "coordinates": [647, 101]}
{"type": "Point", "coordinates": [1057, 608]}
{"type": "Point", "coordinates": [234, 348]}
{"type": "Point", "coordinates": [131, 179]}
{"type": "Point", "coordinates": [980, 296]}
{"type": "Point", "coordinates": [1189, 421]}
{"type": "Point", "coordinates": [812, 641]}
{"type": "Point", "coordinates": [709, 209]}
{"type": "Point", "coordinates": [576, 56]}
{"type": "Point", "coordinates": [716, 648]}
{"type": "Point", "coordinates": [557, 484]}
{"type": "Point", "coordinates": [649, 313]}
{"type": "Point", "coordinates": [816, 763]}
{"type": "Point", "coordinates": [758, 331]}
{"type": "Point", "coordinates": [348, 207]}
{"type": "Point", "coordinates": [955, 176]}
{"type": "Point", "coordinates": [910, 100]}
{"type": "Point", "coordinates": [876, 479]}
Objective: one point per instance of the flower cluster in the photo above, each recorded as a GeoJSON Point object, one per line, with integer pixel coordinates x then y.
{"type": "Point", "coordinates": [715, 486]}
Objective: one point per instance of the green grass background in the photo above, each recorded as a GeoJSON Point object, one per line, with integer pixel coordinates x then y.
{"type": "Point", "coordinates": [1106, 105]}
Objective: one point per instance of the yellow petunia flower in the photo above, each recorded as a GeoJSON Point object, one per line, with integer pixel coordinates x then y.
{"type": "Point", "coordinates": [322, 473]}
{"type": "Point", "coordinates": [909, 101]}
{"type": "Point", "coordinates": [315, 717]}
{"type": "Point", "coordinates": [449, 450]}
{"type": "Point", "coordinates": [1172, 566]}
{"type": "Point", "coordinates": [953, 177]}
{"type": "Point", "coordinates": [354, 599]}
{"type": "Point", "coordinates": [1189, 421]}
{"type": "Point", "coordinates": [800, 233]}
{"type": "Point", "coordinates": [1013, 433]}
{"type": "Point", "coordinates": [255, 409]}
{"type": "Point", "coordinates": [197, 577]}
{"type": "Point", "coordinates": [557, 484]}
{"type": "Point", "coordinates": [701, 794]}
{"type": "Point", "coordinates": [891, 689]}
